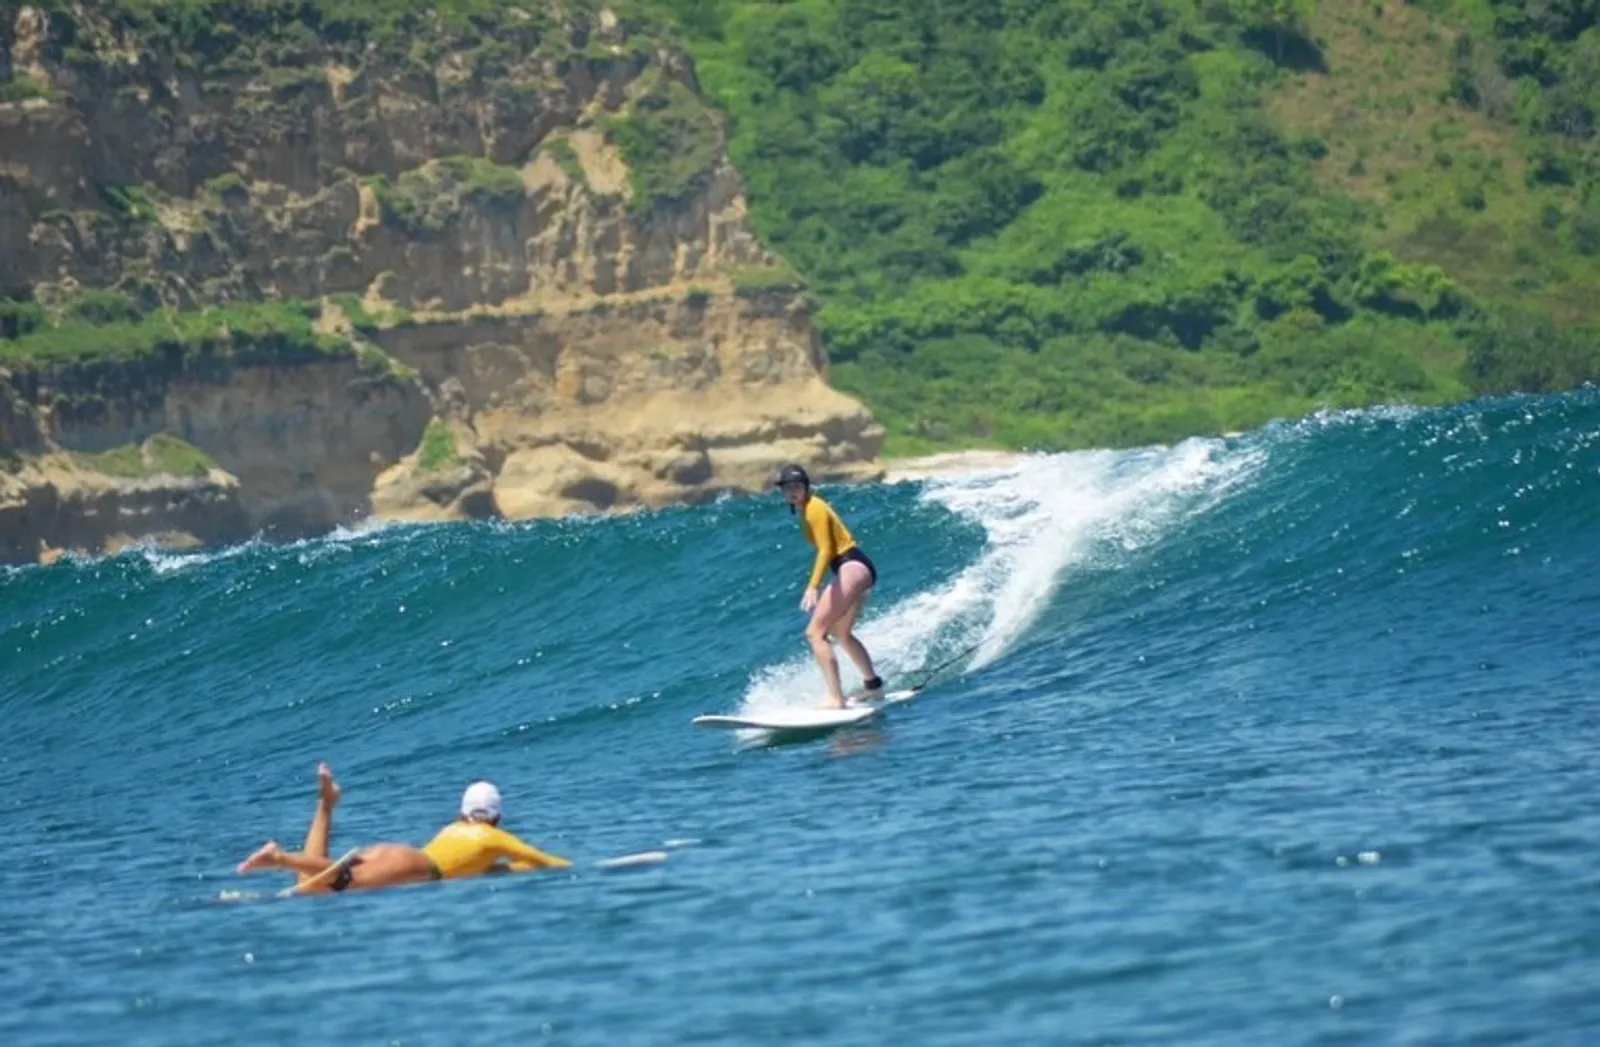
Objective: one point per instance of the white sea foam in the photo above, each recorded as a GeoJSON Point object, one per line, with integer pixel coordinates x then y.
{"type": "Point", "coordinates": [1042, 516]}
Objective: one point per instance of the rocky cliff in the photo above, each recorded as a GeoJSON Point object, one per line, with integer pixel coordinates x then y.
{"type": "Point", "coordinates": [281, 272]}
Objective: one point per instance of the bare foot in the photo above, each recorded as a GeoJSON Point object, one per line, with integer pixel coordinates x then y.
{"type": "Point", "coordinates": [327, 789]}
{"type": "Point", "coordinates": [265, 857]}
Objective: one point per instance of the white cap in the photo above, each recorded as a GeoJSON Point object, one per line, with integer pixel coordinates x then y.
{"type": "Point", "coordinates": [481, 802]}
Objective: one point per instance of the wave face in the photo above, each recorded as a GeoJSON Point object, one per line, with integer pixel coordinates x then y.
{"type": "Point", "coordinates": [1286, 737]}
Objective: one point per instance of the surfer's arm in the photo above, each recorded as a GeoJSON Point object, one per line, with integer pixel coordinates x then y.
{"type": "Point", "coordinates": [821, 536]}
{"type": "Point", "coordinates": [523, 857]}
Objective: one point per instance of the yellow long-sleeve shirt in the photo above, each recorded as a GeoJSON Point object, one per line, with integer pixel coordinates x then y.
{"type": "Point", "coordinates": [472, 848]}
{"type": "Point", "coordinates": [827, 533]}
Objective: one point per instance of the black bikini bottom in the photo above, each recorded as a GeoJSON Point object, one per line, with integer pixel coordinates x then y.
{"type": "Point", "coordinates": [859, 557]}
{"type": "Point", "coordinates": [346, 873]}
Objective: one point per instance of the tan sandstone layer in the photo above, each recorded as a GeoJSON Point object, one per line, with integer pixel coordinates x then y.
{"type": "Point", "coordinates": [645, 402]}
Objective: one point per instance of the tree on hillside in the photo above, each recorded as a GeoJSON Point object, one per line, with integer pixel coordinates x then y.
{"type": "Point", "coordinates": [1281, 18]}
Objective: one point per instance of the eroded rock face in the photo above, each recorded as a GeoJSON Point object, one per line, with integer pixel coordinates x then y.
{"type": "Point", "coordinates": [288, 451]}
{"type": "Point", "coordinates": [545, 342]}
{"type": "Point", "coordinates": [645, 402]}
{"type": "Point", "coordinates": [59, 506]}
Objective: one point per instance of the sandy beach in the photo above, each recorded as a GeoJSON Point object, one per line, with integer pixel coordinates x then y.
{"type": "Point", "coordinates": [949, 463]}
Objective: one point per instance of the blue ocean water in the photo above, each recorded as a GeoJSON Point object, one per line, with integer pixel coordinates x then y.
{"type": "Point", "coordinates": [1283, 738]}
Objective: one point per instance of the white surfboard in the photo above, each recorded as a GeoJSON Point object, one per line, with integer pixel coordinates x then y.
{"type": "Point", "coordinates": [629, 861]}
{"type": "Point", "coordinates": [800, 719]}
{"type": "Point", "coordinates": [803, 718]}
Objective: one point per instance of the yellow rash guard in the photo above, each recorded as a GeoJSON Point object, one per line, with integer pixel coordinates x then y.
{"type": "Point", "coordinates": [828, 533]}
{"type": "Point", "coordinates": [472, 848]}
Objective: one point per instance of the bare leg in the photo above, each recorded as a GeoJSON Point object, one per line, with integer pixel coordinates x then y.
{"type": "Point", "coordinates": [850, 585]}
{"type": "Point", "coordinates": [313, 860]}
{"type": "Point", "coordinates": [328, 793]}
{"type": "Point", "coordinates": [270, 856]}
{"type": "Point", "coordinates": [844, 631]}
{"type": "Point", "coordinates": [263, 857]}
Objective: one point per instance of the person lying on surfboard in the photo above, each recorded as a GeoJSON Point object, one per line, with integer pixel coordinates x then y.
{"type": "Point", "coordinates": [834, 610]}
{"type": "Point", "coordinates": [470, 846]}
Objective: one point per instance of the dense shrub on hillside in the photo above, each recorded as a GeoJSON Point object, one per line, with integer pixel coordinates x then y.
{"type": "Point", "coordinates": [1079, 195]}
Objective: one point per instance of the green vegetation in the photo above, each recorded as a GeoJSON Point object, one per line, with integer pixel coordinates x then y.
{"type": "Point", "coordinates": [102, 307]}
{"type": "Point", "coordinates": [20, 318]}
{"type": "Point", "coordinates": [1456, 185]}
{"type": "Point", "coordinates": [1549, 56]}
{"type": "Point", "coordinates": [1087, 222]}
{"type": "Point", "coordinates": [229, 187]}
{"type": "Point", "coordinates": [368, 323]}
{"type": "Point", "coordinates": [176, 457]}
{"type": "Point", "coordinates": [115, 330]}
{"type": "Point", "coordinates": [438, 448]}
{"type": "Point", "coordinates": [365, 320]}
{"type": "Point", "coordinates": [126, 461]}
{"type": "Point", "coordinates": [491, 184]}
{"type": "Point", "coordinates": [669, 141]}
{"type": "Point", "coordinates": [131, 202]}
{"type": "Point", "coordinates": [22, 88]}
{"type": "Point", "coordinates": [161, 455]}
{"type": "Point", "coordinates": [427, 200]}
{"type": "Point", "coordinates": [752, 280]}
{"type": "Point", "coordinates": [566, 157]}
{"type": "Point", "coordinates": [375, 361]}
{"type": "Point", "coordinates": [356, 312]}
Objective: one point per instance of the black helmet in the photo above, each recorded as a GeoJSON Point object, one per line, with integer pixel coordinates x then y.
{"type": "Point", "coordinates": [792, 474]}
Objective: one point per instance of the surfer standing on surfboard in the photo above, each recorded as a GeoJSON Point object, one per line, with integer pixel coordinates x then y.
{"type": "Point", "coordinates": [471, 845]}
{"type": "Point", "coordinates": [833, 610]}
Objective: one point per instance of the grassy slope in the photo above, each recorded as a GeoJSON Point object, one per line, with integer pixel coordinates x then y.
{"type": "Point", "coordinates": [1450, 183]}
{"type": "Point", "coordinates": [1270, 273]}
